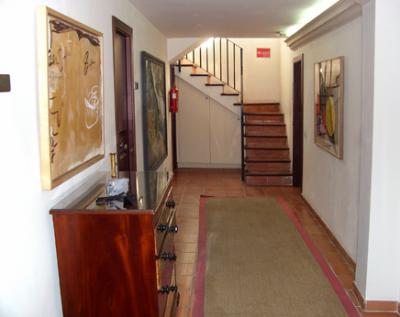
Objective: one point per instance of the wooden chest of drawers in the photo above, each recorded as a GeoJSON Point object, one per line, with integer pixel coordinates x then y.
{"type": "Point", "coordinates": [118, 263]}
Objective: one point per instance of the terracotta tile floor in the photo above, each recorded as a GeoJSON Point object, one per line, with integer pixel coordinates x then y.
{"type": "Point", "coordinates": [190, 184]}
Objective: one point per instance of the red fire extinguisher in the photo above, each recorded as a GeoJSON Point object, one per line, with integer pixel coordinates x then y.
{"type": "Point", "coordinates": [173, 99]}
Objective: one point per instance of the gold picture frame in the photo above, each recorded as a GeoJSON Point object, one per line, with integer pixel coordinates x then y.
{"type": "Point", "coordinates": [328, 105]}
{"type": "Point", "coordinates": [70, 68]}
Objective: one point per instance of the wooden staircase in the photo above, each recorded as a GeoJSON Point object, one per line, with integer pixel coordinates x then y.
{"type": "Point", "coordinates": [211, 80]}
{"type": "Point", "coordinates": [266, 152]}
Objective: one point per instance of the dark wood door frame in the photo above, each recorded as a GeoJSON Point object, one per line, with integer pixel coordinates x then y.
{"type": "Point", "coordinates": [298, 120]}
{"type": "Point", "coordinates": [121, 29]}
{"type": "Point", "coordinates": [173, 123]}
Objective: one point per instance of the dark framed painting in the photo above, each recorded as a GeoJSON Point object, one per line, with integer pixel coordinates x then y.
{"type": "Point", "coordinates": [328, 105]}
{"type": "Point", "coordinates": [154, 111]}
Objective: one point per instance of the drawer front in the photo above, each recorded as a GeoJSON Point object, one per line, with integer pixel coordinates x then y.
{"type": "Point", "coordinates": [163, 212]}
{"type": "Point", "coordinates": [166, 225]}
{"type": "Point", "coordinates": [168, 299]}
{"type": "Point", "coordinates": [164, 232]}
{"type": "Point", "coordinates": [166, 256]}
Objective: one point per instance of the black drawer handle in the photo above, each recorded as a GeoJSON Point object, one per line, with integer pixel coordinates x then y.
{"type": "Point", "coordinates": [166, 256]}
{"type": "Point", "coordinates": [168, 289]}
{"type": "Point", "coordinates": [170, 203]}
{"type": "Point", "coordinates": [162, 228]}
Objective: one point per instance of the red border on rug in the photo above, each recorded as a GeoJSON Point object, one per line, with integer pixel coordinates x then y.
{"type": "Point", "coordinates": [198, 299]}
{"type": "Point", "coordinates": [199, 287]}
{"type": "Point", "coordinates": [339, 290]}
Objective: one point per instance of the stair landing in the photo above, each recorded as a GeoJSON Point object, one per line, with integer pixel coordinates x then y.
{"type": "Point", "coordinates": [267, 158]}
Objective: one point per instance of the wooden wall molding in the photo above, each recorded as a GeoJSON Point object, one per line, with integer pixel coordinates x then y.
{"type": "Point", "coordinates": [367, 306]}
{"type": "Point", "coordinates": [339, 14]}
{"type": "Point", "coordinates": [374, 306]}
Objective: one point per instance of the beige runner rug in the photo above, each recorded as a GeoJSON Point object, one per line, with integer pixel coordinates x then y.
{"type": "Point", "coordinates": [255, 260]}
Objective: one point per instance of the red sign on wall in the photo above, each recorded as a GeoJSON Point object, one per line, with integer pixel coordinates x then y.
{"type": "Point", "coordinates": [263, 52]}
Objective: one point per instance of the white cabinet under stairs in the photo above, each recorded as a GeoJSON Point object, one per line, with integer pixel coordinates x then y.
{"type": "Point", "coordinates": [208, 134]}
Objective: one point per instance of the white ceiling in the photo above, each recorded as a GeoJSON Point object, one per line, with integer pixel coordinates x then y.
{"type": "Point", "coordinates": [226, 18]}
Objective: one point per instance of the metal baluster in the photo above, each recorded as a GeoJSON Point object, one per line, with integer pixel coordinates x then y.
{"type": "Point", "coordinates": [207, 58]}
{"type": "Point", "coordinates": [242, 139]}
{"type": "Point", "coordinates": [214, 56]}
{"type": "Point", "coordinates": [241, 76]}
{"type": "Point", "coordinates": [227, 62]}
{"type": "Point", "coordinates": [200, 57]}
{"type": "Point", "coordinates": [220, 59]}
{"type": "Point", "coordinates": [234, 65]}
{"type": "Point", "coordinates": [194, 57]}
{"type": "Point", "coordinates": [241, 110]}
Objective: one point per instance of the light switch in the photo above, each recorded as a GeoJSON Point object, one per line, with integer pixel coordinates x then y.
{"type": "Point", "coordinates": [5, 83]}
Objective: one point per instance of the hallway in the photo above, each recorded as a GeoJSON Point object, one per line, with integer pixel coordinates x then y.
{"type": "Point", "coordinates": [189, 184]}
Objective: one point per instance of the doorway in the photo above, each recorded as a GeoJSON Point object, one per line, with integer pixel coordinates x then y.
{"type": "Point", "coordinates": [124, 98]}
{"type": "Point", "coordinates": [298, 111]}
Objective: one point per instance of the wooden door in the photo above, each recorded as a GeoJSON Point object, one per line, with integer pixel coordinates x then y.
{"type": "Point", "coordinates": [124, 100]}
{"type": "Point", "coordinates": [298, 122]}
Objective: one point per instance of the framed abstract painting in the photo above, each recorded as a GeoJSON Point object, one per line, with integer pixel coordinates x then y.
{"type": "Point", "coordinates": [328, 105]}
{"type": "Point", "coordinates": [154, 111]}
{"type": "Point", "coordinates": [70, 71]}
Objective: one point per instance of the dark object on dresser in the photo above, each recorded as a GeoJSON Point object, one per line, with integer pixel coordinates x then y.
{"type": "Point", "coordinates": [116, 263]}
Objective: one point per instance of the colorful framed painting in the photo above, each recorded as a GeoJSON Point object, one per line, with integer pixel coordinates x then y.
{"type": "Point", "coordinates": [328, 105]}
{"type": "Point", "coordinates": [70, 96]}
{"type": "Point", "coordinates": [154, 111]}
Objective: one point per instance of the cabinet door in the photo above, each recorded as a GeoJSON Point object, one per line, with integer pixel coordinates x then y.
{"type": "Point", "coordinates": [225, 135]}
{"type": "Point", "coordinates": [193, 125]}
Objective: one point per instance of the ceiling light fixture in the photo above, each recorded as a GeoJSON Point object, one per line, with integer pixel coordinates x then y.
{"type": "Point", "coordinates": [309, 14]}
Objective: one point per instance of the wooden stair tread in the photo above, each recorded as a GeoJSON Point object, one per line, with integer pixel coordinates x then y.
{"type": "Point", "coordinates": [263, 135]}
{"type": "Point", "coordinates": [257, 103]}
{"type": "Point", "coordinates": [267, 173]}
{"type": "Point", "coordinates": [262, 113]}
{"type": "Point", "coordinates": [184, 65]}
{"type": "Point", "coordinates": [275, 160]}
{"type": "Point", "coordinates": [216, 84]}
{"type": "Point", "coordinates": [264, 124]}
{"type": "Point", "coordinates": [230, 94]}
{"type": "Point", "coordinates": [266, 162]}
{"type": "Point", "coordinates": [266, 147]}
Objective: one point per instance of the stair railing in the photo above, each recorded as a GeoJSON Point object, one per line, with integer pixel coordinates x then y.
{"type": "Point", "coordinates": [223, 59]}
{"type": "Point", "coordinates": [241, 115]}
{"type": "Point", "coordinates": [219, 58]}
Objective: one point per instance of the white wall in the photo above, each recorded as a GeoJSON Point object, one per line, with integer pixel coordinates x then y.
{"type": "Point", "coordinates": [178, 47]}
{"type": "Point", "coordinates": [368, 43]}
{"type": "Point", "coordinates": [261, 75]}
{"type": "Point", "coordinates": [381, 248]}
{"type": "Point", "coordinates": [28, 268]}
{"type": "Point", "coordinates": [331, 185]}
